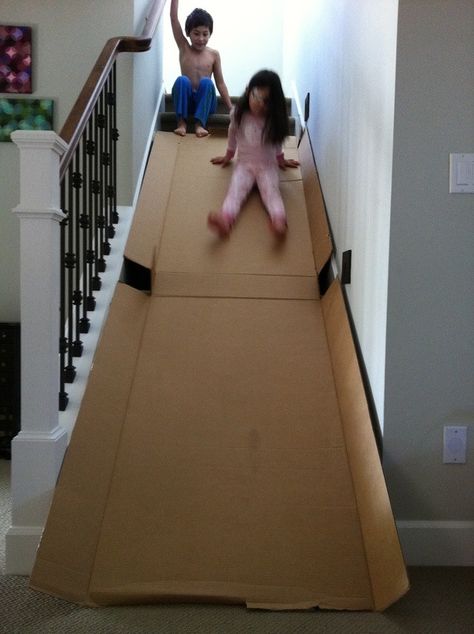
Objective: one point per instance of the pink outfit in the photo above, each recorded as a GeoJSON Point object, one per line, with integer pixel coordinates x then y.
{"type": "Point", "coordinates": [257, 163]}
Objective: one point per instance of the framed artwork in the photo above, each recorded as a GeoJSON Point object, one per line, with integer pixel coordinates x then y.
{"type": "Point", "coordinates": [15, 59]}
{"type": "Point", "coordinates": [24, 114]}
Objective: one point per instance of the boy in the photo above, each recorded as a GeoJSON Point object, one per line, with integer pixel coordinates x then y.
{"type": "Point", "coordinates": [193, 92]}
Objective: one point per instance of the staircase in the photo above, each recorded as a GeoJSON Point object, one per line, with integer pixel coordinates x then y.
{"type": "Point", "coordinates": [216, 124]}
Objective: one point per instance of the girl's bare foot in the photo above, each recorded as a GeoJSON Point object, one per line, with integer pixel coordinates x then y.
{"type": "Point", "coordinates": [181, 129]}
{"type": "Point", "coordinates": [279, 226]}
{"type": "Point", "coordinates": [221, 223]}
{"type": "Point", "coordinates": [200, 131]}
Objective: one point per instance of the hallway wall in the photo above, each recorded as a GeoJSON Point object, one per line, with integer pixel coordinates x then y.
{"type": "Point", "coordinates": [430, 332]}
{"type": "Point", "coordinates": [343, 54]}
{"type": "Point", "coordinates": [391, 96]}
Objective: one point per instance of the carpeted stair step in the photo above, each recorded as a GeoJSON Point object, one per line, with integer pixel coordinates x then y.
{"type": "Point", "coordinates": [216, 124]}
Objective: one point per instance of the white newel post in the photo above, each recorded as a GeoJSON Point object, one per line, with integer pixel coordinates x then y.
{"type": "Point", "coordinates": [38, 450]}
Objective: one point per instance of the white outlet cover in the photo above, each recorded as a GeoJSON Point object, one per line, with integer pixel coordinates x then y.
{"type": "Point", "coordinates": [455, 444]}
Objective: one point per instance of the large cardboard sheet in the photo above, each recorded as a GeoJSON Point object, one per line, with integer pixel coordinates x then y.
{"type": "Point", "coordinates": [223, 451]}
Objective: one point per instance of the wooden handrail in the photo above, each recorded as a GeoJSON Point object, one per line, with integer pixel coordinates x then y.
{"type": "Point", "coordinates": [75, 123]}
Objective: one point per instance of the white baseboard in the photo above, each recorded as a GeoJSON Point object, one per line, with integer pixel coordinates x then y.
{"type": "Point", "coordinates": [21, 545]}
{"type": "Point", "coordinates": [445, 543]}
{"type": "Point", "coordinates": [149, 142]}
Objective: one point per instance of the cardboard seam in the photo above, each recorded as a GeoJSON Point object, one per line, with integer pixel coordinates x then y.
{"type": "Point", "coordinates": [349, 462]}
{"type": "Point", "coordinates": [119, 442]}
{"type": "Point", "coordinates": [241, 276]}
{"type": "Point", "coordinates": [325, 215]}
{"type": "Point", "coordinates": [274, 299]}
{"type": "Point", "coordinates": [166, 208]}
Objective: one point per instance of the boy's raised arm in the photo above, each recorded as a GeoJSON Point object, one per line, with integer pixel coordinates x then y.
{"type": "Point", "coordinates": [176, 26]}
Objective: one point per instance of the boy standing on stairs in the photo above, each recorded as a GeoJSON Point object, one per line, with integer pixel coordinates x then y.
{"type": "Point", "coordinates": [193, 92]}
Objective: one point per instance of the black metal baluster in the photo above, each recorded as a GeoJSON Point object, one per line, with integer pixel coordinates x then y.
{"type": "Point", "coordinates": [69, 263]}
{"type": "Point", "coordinates": [110, 230]}
{"type": "Point", "coordinates": [76, 296]}
{"type": "Point", "coordinates": [101, 220]}
{"type": "Point", "coordinates": [84, 224]}
{"type": "Point", "coordinates": [90, 254]}
{"type": "Point", "coordinates": [114, 137]}
{"type": "Point", "coordinates": [63, 395]}
{"type": "Point", "coordinates": [96, 281]}
{"type": "Point", "coordinates": [109, 101]}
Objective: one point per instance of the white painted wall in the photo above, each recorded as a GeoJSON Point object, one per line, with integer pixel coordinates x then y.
{"type": "Point", "coordinates": [343, 54]}
{"type": "Point", "coordinates": [67, 39]}
{"type": "Point", "coordinates": [247, 34]}
{"type": "Point", "coordinates": [147, 87]}
{"type": "Point", "coordinates": [389, 101]}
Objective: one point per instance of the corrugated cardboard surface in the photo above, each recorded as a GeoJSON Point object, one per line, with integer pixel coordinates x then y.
{"type": "Point", "coordinates": [223, 452]}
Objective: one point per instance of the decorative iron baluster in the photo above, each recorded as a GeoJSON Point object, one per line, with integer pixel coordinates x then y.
{"type": "Point", "coordinates": [70, 264]}
{"type": "Point", "coordinates": [84, 224]}
{"type": "Point", "coordinates": [76, 294]}
{"type": "Point", "coordinates": [96, 281]}
{"type": "Point", "coordinates": [101, 219]}
{"type": "Point", "coordinates": [114, 138]}
{"type": "Point", "coordinates": [63, 343]}
{"type": "Point", "coordinates": [90, 252]}
{"type": "Point", "coordinates": [106, 161]}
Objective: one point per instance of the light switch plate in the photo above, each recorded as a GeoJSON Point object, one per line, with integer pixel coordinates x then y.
{"type": "Point", "coordinates": [461, 173]}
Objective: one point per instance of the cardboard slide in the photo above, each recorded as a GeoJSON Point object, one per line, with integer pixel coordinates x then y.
{"type": "Point", "coordinates": [223, 451]}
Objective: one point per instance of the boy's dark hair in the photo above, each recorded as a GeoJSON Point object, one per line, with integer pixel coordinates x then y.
{"type": "Point", "coordinates": [276, 127]}
{"type": "Point", "coordinates": [198, 17]}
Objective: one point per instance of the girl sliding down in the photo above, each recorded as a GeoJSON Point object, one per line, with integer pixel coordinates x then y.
{"type": "Point", "coordinates": [258, 127]}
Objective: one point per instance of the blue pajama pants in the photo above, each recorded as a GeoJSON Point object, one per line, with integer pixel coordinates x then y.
{"type": "Point", "coordinates": [200, 103]}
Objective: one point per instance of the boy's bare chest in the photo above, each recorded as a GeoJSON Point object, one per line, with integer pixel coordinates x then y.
{"type": "Point", "coordinates": [197, 64]}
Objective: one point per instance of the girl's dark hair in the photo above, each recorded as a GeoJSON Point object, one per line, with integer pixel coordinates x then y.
{"type": "Point", "coordinates": [198, 17]}
{"type": "Point", "coordinates": [276, 127]}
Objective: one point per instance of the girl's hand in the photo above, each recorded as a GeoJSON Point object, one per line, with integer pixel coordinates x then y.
{"type": "Point", "coordinates": [283, 163]}
{"type": "Point", "coordinates": [221, 160]}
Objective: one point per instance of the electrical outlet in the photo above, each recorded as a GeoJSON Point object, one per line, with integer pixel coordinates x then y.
{"type": "Point", "coordinates": [455, 444]}
{"type": "Point", "coordinates": [346, 267]}
{"type": "Point", "coordinates": [306, 107]}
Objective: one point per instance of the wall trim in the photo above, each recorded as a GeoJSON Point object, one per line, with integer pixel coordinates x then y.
{"type": "Point", "coordinates": [149, 143]}
{"type": "Point", "coordinates": [437, 543]}
{"type": "Point", "coordinates": [21, 544]}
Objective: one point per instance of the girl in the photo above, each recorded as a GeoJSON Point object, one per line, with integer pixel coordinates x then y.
{"type": "Point", "coordinates": [258, 127]}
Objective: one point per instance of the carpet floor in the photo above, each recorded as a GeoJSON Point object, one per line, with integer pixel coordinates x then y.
{"type": "Point", "coordinates": [440, 601]}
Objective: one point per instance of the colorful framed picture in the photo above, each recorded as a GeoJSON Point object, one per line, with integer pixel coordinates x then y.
{"type": "Point", "coordinates": [25, 114]}
{"type": "Point", "coordinates": [15, 59]}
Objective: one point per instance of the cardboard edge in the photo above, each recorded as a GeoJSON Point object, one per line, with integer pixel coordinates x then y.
{"type": "Point", "coordinates": [386, 565]}
{"type": "Point", "coordinates": [178, 284]}
{"type": "Point", "coordinates": [318, 221]}
{"type": "Point", "coordinates": [149, 218]}
{"type": "Point", "coordinates": [212, 592]}
{"type": "Point", "coordinates": [64, 558]}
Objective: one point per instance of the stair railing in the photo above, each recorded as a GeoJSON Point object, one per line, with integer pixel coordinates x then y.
{"type": "Point", "coordinates": [88, 175]}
